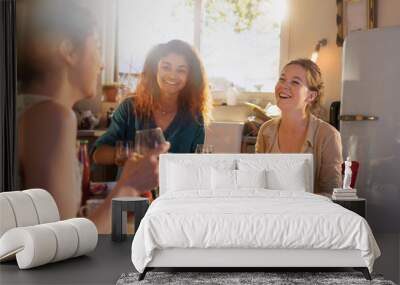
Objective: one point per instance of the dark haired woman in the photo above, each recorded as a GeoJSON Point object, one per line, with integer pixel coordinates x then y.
{"type": "Point", "coordinates": [172, 94]}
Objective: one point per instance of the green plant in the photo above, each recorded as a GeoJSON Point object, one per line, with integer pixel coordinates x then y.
{"type": "Point", "coordinates": [245, 11]}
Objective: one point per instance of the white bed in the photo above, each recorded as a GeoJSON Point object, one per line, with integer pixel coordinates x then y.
{"type": "Point", "coordinates": [220, 211]}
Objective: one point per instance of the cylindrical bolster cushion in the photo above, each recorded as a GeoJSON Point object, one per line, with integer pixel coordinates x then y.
{"type": "Point", "coordinates": [34, 245]}
{"type": "Point", "coordinates": [26, 208]}
{"type": "Point", "coordinates": [7, 218]}
{"type": "Point", "coordinates": [45, 205]}
{"type": "Point", "coordinates": [87, 235]}
{"type": "Point", "coordinates": [67, 239]}
{"type": "Point", "coordinates": [23, 208]}
{"type": "Point", "coordinates": [41, 244]}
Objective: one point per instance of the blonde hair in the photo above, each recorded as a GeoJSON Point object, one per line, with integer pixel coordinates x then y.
{"type": "Point", "coordinates": [314, 83]}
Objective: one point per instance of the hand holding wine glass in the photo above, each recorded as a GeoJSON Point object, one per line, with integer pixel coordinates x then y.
{"type": "Point", "coordinates": [147, 140]}
{"type": "Point", "coordinates": [123, 151]}
{"type": "Point", "coordinates": [140, 174]}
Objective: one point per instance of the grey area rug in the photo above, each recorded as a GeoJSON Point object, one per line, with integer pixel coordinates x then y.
{"type": "Point", "coordinates": [269, 278]}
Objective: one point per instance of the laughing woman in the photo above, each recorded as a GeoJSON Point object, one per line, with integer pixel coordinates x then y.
{"type": "Point", "coordinates": [298, 93]}
{"type": "Point", "coordinates": [172, 94]}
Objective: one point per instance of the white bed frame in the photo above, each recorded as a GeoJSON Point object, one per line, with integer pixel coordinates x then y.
{"type": "Point", "coordinates": [250, 258]}
{"type": "Point", "coordinates": [234, 257]}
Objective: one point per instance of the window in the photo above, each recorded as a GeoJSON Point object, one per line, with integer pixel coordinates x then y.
{"type": "Point", "coordinates": [249, 58]}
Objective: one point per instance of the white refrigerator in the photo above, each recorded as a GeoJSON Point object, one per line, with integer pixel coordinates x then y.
{"type": "Point", "coordinates": [370, 121]}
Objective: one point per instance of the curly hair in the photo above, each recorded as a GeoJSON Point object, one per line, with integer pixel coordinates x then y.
{"type": "Point", "coordinates": [314, 83]}
{"type": "Point", "coordinates": [194, 97]}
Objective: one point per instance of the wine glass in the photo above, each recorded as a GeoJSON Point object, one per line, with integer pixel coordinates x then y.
{"type": "Point", "coordinates": [209, 149]}
{"type": "Point", "coordinates": [145, 141]}
{"type": "Point", "coordinates": [203, 148]}
{"type": "Point", "coordinates": [123, 150]}
{"type": "Point", "coordinates": [199, 148]}
{"type": "Point", "coordinates": [148, 139]}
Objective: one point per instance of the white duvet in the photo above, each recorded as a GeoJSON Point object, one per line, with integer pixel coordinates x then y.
{"type": "Point", "coordinates": [253, 218]}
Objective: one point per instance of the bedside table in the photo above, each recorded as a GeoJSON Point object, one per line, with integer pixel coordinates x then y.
{"type": "Point", "coordinates": [358, 205]}
{"type": "Point", "coordinates": [120, 207]}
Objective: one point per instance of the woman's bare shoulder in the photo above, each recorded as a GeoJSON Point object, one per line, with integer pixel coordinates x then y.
{"type": "Point", "coordinates": [48, 122]}
{"type": "Point", "coordinates": [49, 113]}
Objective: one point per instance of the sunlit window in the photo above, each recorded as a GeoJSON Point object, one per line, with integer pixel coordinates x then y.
{"type": "Point", "coordinates": [244, 50]}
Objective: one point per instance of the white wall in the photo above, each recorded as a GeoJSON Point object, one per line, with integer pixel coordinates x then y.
{"type": "Point", "coordinates": [312, 20]}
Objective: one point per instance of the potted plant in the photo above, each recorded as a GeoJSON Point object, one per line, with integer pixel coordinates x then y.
{"type": "Point", "coordinates": [110, 91]}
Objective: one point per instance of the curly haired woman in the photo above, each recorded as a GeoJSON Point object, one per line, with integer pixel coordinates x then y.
{"type": "Point", "coordinates": [172, 94]}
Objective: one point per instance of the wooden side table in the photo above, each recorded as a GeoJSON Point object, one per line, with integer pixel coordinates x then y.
{"type": "Point", "coordinates": [358, 206]}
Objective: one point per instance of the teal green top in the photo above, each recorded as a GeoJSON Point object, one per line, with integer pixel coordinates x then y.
{"type": "Point", "coordinates": [184, 132]}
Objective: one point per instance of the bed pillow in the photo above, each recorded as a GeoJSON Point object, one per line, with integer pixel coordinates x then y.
{"type": "Point", "coordinates": [223, 179]}
{"type": "Point", "coordinates": [251, 178]}
{"type": "Point", "coordinates": [281, 174]}
{"type": "Point", "coordinates": [293, 179]}
{"type": "Point", "coordinates": [182, 177]}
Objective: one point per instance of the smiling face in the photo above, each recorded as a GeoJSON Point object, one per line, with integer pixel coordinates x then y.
{"type": "Point", "coordinates": [172, 74]}
{"type": "Point", "coordinates": [291, 91]}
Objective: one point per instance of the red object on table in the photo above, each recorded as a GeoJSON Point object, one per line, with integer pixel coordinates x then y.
{"type": "Point", "coordinates": [148, 195]}
{"type": "Point", "coordinates": [354, 171]}
{"type": "Point", "coordinates": [83, 157]}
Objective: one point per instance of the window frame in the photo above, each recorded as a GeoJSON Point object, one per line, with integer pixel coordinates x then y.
{"type": "Point", "coordinates": [198, 10]}
{"type": "Point", "coordinates": [284, 35]}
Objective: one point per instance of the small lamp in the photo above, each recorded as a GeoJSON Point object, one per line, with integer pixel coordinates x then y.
{"type": "Point", "coordinates": [321, 43]}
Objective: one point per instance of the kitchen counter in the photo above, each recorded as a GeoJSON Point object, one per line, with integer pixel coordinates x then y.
{"type": "Point", "coordinates": [104, 265]}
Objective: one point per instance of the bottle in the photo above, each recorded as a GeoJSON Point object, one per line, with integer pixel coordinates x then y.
{"type": "Point", "coordinates": [85, 123]}
{"type": "Point", "coordinates": [83, 157]}
{"type": "Point", "coordinates": [110, 113]}
{"type": "Point", "coordinates": [231, 95]}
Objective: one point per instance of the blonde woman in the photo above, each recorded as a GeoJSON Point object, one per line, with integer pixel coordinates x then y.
{"type": "Point", "coordinates": [298, 93]}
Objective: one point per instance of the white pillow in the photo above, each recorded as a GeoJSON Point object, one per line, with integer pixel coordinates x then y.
{"type": "Point", "coordinates": [251, 178]}
{"type": "Point", "coordinates": [223, 179]}
{"type": "Point", "coordinates": [281, 174]}
{"type": "Point", "coordinates": [183, 177]}
{"type": "Point", "coordinates": [195, 174]}
{"type": "Point", "coordinates": [294, 178]}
